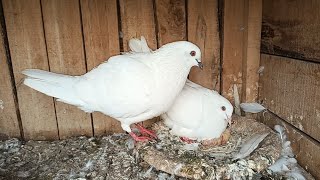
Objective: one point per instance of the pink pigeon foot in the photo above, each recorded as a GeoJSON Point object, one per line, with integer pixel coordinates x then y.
{"type": "Point", "coordinates": [140, 138]}
{"type": "Point", "coordinates": [187, 140]}
{"type": "Point", "coordinates": [145, 131]}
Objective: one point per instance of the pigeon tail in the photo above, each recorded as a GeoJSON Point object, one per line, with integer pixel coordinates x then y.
{"type": "Point", "coordinates": [52, 84]}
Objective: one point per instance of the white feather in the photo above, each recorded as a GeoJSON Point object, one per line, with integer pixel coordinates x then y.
{"type": "Point", "coordinates": [286, 164]}
{"type": "Point", "coordinates": [249, 146]}
{"type": "Point", "coordinates": [252, 107]}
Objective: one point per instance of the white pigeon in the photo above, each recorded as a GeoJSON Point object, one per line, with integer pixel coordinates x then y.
{"type": "Point", "coordinates": [198, 113]}
{"type": "Point", "coordinates": [130, 88]}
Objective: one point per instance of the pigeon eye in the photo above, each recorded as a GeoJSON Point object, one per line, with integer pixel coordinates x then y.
{"type": "Point", "coordinates": [223, 108]}
{"type": "Point", "coordinates": [192, 53]}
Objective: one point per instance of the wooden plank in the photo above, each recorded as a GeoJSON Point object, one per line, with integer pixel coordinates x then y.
{"type": "Point", "coordinates": [66, 55]}
{"type": "Point", "coordinates": [251, 57]}
{"type": "Point", "coordinates": [291, 89]}
{"type": "Point", "coordinates": [171, 21]}
{"type": "Point", "coordinates": [101, 37]}
{"type": "Point", "coordinates": [291, 29]}
{"type": "Point", "coordinates": [234, 27]}
{"type": "Point", "coordinates": [203, 30]}
{"type": "Point", "coordinates": [137, 19]}
{"type": "Point", "coordinates": [28, 50]}
{"type": "Point", "coordinates": [9, 123]}
{"type": "Point", "coordinates": [306, 150]}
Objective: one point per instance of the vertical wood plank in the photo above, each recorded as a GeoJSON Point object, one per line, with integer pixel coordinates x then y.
{"type": "Point", "coordinates": [137, 17]}
{"type": "Point", "coordinates": [9, 125]}
{"type": "Point", "coordinates": [101, 37]}
{"type": "Point", "coordinates": [251, 59]}
{"type": "Point", "coordinates": [28, 50]}
{"type": "Point", "coordinates": [171, 21]}
{"type": "Point", "coordinates": [203, 30]}
{"type": "Point", "coordinates": [234, 27]}
{"type": "Point", "coordinates": [66, 55]}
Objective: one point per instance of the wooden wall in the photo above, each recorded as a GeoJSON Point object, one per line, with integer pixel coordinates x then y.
{"type": "Point", "coordinates": [73, 36]}
{"type": "Point", "coordinates": [290, 82]}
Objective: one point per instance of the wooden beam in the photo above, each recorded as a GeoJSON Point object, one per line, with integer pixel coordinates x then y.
{"type": "Point", "coordinates": [203, 30]}
{"type": "Point", "coordinates": [291, 29]}
{"type": "Point", "coordinates": [28, 50]}
{"type": "Point", "coordinates": [291, 89]}
{"type": "Point", "coordinates": [9, 123]}
{"type": "Point", "coordinates": [306, 150]}
{"type": "Point", "coordinates": [66, 55]}
{"type": "Point", "coordinates": [101, 38]}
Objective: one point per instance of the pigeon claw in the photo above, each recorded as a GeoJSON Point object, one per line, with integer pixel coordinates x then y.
{"type": "Point", "coordinates": [145, 131]}
{"type": "Point", "coordinates": [140, 138]}
{"type": "Point", "coordinates": [187, 140]}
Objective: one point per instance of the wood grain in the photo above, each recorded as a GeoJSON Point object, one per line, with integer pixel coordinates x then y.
{"type": "Point", "coordinates": [203, 30]}
{"type": "Point", "coordinates": [306, 150]}
{"type": "Point", "coordinates": [101, 37]}
{"type": "Point", "coordinates": [251, 56]}
{"type": "Point", "coordinates": [291, 89]}
{"type": "Point", "coordinates": [171, 21]}
{"type": "Point", "coordinates": [66, 55]}
{"type": "Point", "coordinates": [291, 29]}
{"type": "Point", "coordinates": [9, 125]}
{"type": "Point", "coordinates": [28, 50]}
{"type": "Point", "coordinates": [234, 31]}
{"type": "Point", "coordinates": [137, 19]}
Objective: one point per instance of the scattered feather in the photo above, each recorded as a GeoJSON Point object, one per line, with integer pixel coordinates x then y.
{"type": "Point", "coordinates": [191, 147]}
{"type": "Point", "coordinates": [282, 164]}
{"type": "Point", "coordinates": [252, 107]}
{"type": "Point", "coordinates": [249, 146]}
{"type": "Point", "coordinates": [148, 172]}
{"type": "Point", "coordinates": [260, 70]}
{"type": "Point", "coordinates": [286, 165]}
{"type": "Point", "coordinates": [177, 168]}
{"type": "Point", "coordinates": [130, 143]}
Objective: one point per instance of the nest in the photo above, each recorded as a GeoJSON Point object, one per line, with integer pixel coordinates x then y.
{"type": "Point", "coordinates": [205, 160]}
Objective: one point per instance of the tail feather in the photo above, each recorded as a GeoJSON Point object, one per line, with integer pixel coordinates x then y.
{"type": "Point", "coordinates": [52, 84]}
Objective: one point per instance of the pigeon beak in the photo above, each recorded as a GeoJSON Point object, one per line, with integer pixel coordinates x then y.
{"type": "Point", "coordinates": [200, 65]}
{"type": "Point", "coordinates": [229, 120]}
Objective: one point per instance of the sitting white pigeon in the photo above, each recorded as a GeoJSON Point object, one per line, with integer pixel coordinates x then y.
{"type": "Point", "coordinates": [198, 113]}
{"type": "Point", "coordinates": [130, 88]}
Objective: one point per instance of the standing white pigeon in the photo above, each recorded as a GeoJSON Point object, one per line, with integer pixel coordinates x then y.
{"type": "Point", "coordinates": [130, 88]}
{"type": "Point", "coordinates": [198, 113]}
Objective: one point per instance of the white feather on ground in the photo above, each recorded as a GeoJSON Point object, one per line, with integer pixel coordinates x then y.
{"type": "Point", "coordinates": [286, 164]}
{"type": "Point", "coordinates": [197, 112]}
{"type": "Point", "coordinates": [249, 146]}
{"type": "Point", "coordinates": [130, 88]}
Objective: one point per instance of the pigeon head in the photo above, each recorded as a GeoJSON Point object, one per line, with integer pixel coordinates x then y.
{"type": "Point", "coordinates": [190, 52]}
{"type": "Point", "coordinates": [224, 109]}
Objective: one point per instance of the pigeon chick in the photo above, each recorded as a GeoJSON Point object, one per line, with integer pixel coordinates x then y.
{"type": "Point", "coordinates": [130, 88]}
{"type": "Point", "coordinates": [198, 113]}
